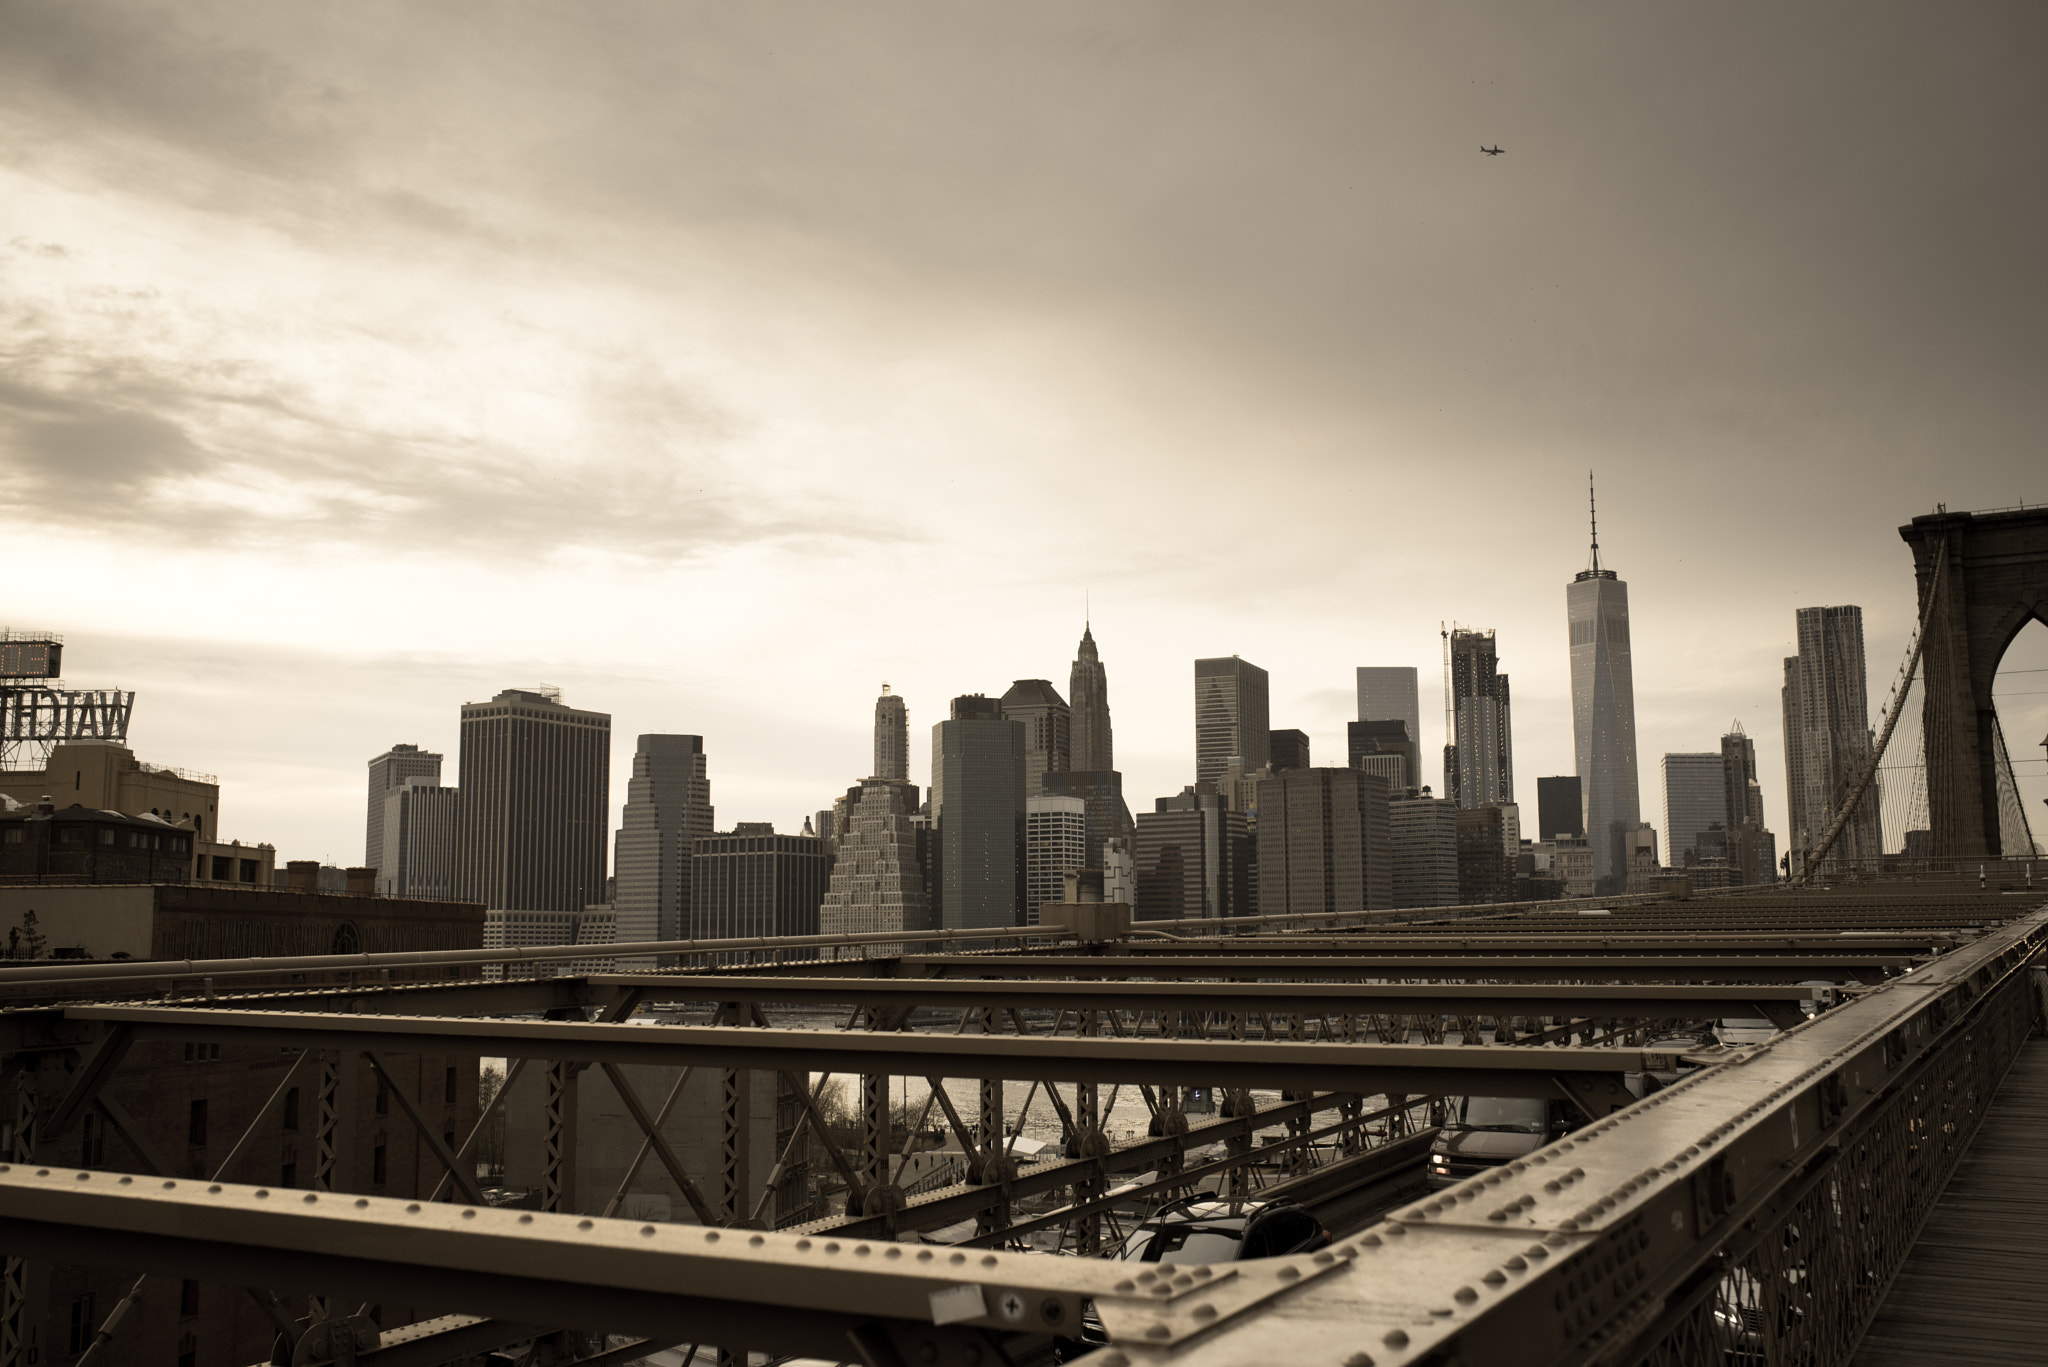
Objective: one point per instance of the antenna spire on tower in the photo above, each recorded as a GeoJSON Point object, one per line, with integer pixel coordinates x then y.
{"type": "Point", "coordinates": [1593, 507]}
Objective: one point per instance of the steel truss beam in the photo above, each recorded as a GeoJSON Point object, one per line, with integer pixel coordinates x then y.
{"type": "Point", "coordinates": [1487, 1070]}
{"type": "Point", "coordinates": [963, 1202]}
{"type": "Point", "coordinates": [1523, 968]}
{"type": "Point", "coordinates": [1686, 1002]}
{"type": "Point", "coordinates": [1771, 921]}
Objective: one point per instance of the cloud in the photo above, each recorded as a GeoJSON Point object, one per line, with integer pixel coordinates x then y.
{"type": "Point", "coordinates": [79, 451]}
{"type": "Point", "coordinates": [224, 452]}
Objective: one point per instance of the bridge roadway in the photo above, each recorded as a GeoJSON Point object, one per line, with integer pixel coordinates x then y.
{"type": "Point", "coordinates": [1971, 1290]}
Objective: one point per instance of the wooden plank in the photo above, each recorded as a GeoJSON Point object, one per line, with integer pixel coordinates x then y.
{"type": "Point", "coordinates": [1972, 1289]}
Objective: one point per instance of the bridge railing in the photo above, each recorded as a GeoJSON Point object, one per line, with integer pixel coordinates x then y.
{"type": "Point", "coordinates": [1755, 1212]}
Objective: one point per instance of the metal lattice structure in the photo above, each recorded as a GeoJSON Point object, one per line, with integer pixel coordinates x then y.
{"type": "Point", "coordinates": [1755, 1210]}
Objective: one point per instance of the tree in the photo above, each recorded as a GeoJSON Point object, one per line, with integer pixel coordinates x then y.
{"type": "Point", "coordinates": [32, 935]}
{"type": "Point", "coordinates": [490, 1145]}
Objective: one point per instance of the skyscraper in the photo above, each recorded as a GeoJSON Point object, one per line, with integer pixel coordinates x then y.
{"type": "Point", "coordinates": [668, 809]}
{"type": "Point", "coordinates": [754, 882]}
{"type": "Point", "coordinates": [1230, 716]}
{"type": "Point", "coordinates": [1102, 792]}
{"type": "Point", "coordinates": [1795, 762]}
{"type": "Point", "coordinates": [1828, 722]}
{"type": "Point", "coordinates": [417, 841]}
{"type": "Point", "coordinates": [1482, 773]}
{"type": "Point", "coordinates": [1324, 842]}
{"type": "Point", "coordinates": [1385, 737]}
{"type": "Point", "coordinates": [1047, 728]}
{"type": "Point", "coordinates": [892, 736]}
{"type": "Point", "coordinates": [1287, 750]}
{"type": "Point", "coordinates": [1389, 693]}
{"type": "Point", "coordinates": [1088, 691]}
{"type": "Point", "coordinates": [1559, 810]}
{"type": "Point", "coordinates": [1191, 860]}
{"type": "Point", "coordinates": [978, 759]}
{"type": "Point", "coordinates": [877, 882]}
{"type": "Point", "coordinates": [1604, 716]}
{"type": "Point", "coordinates": [1742, 801]}
{"type": "Point", "coordinates": [1055, 840]}
{"type": "Point", "coordinates": [535, 775]}
{"type": "Point", "coordinates": [1423, 833]}
{"type": "Point", "coordinates": [1486, 872]}
{"type": "Point", "coordinates": [388, 771]}
{"type": "Point", "coordinates": [1693, 800]}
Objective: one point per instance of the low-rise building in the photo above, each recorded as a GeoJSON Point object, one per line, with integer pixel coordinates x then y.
{"type": "Point", "coordinates": [79, 844]}
{"type": "Point", "coordinates": [594, 925]}
{"type": "Point", "coordinates": [234, 862]}
{"type": "Point", "coordinates": [1571, 861]}
{"type": "Point", "coordinates": [107, 776]}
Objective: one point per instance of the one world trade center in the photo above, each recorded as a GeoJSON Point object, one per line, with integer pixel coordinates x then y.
{"type": "Point", "coordinates": [1604, 715]}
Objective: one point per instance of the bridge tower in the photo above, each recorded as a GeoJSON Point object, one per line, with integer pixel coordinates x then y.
{"type": "Point", "coordinates": [1993, 582]}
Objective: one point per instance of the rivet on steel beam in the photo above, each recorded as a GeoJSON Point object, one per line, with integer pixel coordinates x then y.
{"type": "Point", "coordinates": [1395, 1338]}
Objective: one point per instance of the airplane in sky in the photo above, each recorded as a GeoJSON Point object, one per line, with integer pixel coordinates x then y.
{"type": "Point", "coordinates": [1493, 151]}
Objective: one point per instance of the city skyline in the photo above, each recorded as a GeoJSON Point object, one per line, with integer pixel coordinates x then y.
{"type": "Point", "coordinates": [413, 403]}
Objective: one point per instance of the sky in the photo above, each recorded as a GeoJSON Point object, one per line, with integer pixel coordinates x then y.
{"type": "Point", "coordinates": [719, 363]}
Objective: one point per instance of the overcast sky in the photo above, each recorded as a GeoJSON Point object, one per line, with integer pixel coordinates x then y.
{"type": "Point", "coordinates": [719, 362]}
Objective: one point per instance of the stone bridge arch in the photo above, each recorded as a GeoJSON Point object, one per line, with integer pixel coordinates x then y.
{"type": "Point", "coordinates": [1994, 581]}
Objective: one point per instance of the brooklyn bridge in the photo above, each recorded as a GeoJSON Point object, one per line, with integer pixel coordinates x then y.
{"type": "Point", "coordinates": [1856, 1178]}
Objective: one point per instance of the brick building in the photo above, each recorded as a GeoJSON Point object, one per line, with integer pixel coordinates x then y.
{"type": "Point", "coordinates": [190, 1102]}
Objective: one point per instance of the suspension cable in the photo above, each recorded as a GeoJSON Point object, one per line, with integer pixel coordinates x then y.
{"type": "Point", "coordinates": [1834, 830]}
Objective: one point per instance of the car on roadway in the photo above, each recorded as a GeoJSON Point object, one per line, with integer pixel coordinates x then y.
{"type": "Point", "coordinates": [1481, 1133]}
{"type": "Point", "coordinates": [1203, 1231]}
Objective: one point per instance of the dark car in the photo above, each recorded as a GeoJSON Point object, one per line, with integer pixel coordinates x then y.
{"type": "Point", "coordinates": [1204, 1231]}
{"type": "Point", "coordinates": [1481, 1133]}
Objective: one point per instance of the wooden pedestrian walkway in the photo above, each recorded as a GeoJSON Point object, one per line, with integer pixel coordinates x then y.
{"type": "Point", "coordinates": [1975, 1287]}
